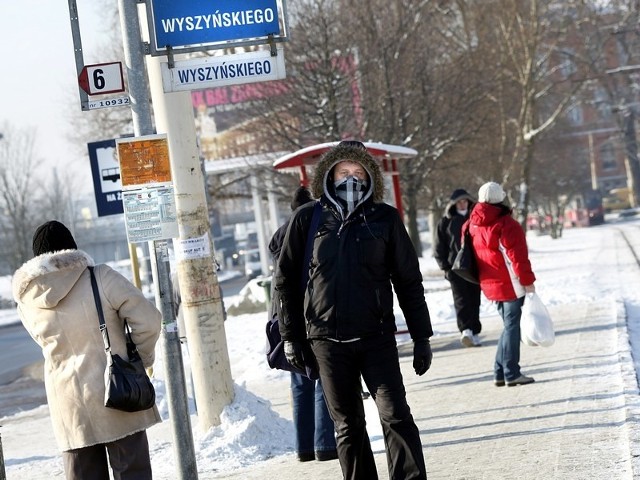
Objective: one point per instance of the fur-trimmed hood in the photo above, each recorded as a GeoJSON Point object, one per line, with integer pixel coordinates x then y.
{"type": "Point", "coordinates": [46, 279]}
{"type": "Point", "coordinates": [460, 194]}
{"type": "Point", "coordinates": [323, 185]}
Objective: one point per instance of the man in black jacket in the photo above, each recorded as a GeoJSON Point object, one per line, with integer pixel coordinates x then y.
{"type": "Point", "coordinates": [359, 253]}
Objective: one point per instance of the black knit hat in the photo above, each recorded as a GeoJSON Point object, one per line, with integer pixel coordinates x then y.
{"type": "Point", "coordinates": [300, 197]}
{"type": "Point", "coordinates": [51, 237]}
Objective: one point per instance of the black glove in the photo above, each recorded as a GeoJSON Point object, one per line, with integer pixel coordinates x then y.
{"type": "Point", "coordinates": [447, 274]}
{"type": "Point", "coordinates": [293, 354]}
{"type": "Point", "coordinates": [422, 355]}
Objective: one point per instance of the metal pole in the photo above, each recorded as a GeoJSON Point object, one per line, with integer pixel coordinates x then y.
{"type": "Point", "coordinates": [174, 369]}
{"type": "Point", "coordinates": [177, 401]}
{"type": "Point", "coordinates": [77, 49]}
{"type": "Point", "coordinates": [3, 474]}
{"type": "Point", "coordinates": [258, 211]}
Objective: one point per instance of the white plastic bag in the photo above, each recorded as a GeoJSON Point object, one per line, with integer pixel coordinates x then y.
{"type": "Point", "coordinates": [536, 326]}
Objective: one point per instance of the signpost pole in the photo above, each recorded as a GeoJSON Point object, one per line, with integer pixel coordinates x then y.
{"type": "Point", "coordinates": [201, 302]}
{"type": "Point", "coordinates": [176, 390]}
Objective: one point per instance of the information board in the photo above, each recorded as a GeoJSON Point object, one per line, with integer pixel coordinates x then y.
{"type": "Point", "coordinates": [144, 160]}
{"type": "Point", "coordinates": [150, 214]}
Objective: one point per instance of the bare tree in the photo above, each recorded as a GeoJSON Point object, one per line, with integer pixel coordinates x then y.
{"type": "Point", "coordinates": [19, 199]}
{"type": "Point", "coordinates": [540, 77]}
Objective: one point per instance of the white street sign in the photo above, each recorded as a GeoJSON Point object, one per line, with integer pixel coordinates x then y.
{"type": "Point", "coordinates": [236, 69]}
{"type": "Point", "coordinates": [109, 102]}
{"type": "Point", "coordinates": [102, 78]}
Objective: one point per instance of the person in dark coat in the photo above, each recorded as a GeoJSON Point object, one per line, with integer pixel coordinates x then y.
{"type": "Point", "coordinates": [466, 295]}
{"type": "Point", "coordinates": [315, 432]}
{"type": "Point", "coordinates": [361, 254]}
{"type": "Point", "coordinates": [504, 270]}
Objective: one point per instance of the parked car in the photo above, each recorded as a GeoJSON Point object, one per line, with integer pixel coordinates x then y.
{"type": "Point", "coordinates": [617, 199]}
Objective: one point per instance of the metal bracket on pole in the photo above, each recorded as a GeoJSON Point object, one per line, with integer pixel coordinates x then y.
{"type": "Point", "coordinates": [272, 45]}
{"type": "Point", "coordinates": [146, 48]}
{"type": "Point", "coordinates": [170, 60]}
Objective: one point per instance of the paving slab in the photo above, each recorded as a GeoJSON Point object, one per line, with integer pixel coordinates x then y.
{"type": "Point", "coordinates": [572, 423]}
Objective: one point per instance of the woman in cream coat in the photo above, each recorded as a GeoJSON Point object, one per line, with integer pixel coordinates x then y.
{"type": "Point", "coordinates": [56, 305]}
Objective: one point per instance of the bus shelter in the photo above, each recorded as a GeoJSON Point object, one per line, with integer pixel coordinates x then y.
{"type": "Point", "coordinates": [386, 155]}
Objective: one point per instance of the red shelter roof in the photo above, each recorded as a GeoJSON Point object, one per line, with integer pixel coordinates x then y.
{"type": "Point", "coordinates": [310, 155]}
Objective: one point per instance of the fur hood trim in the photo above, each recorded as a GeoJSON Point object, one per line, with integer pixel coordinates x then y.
{"type": "Point", "coordinates": [320, 184]}
{"type": "Point", "coordinates": [48, 263]}
{"type": "Point", "coordinates": [450, 209]}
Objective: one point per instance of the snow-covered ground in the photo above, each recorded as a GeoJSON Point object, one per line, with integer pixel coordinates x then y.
{"type": "Point", "coordinates": [252, 430]}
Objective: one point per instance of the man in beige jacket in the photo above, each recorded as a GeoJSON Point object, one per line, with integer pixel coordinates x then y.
{"type": "Point", "coordinates": [56, 305]}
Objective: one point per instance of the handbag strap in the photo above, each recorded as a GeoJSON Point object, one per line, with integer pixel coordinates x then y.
{"type": "Point", "coordinates": [313, 228]}
{"type": "Point", "coordinates": [96, 298]}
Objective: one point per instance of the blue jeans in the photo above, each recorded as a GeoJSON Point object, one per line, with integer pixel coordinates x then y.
{"type": "Point", "coordinates": [314, 427]}
{"type": "Point", "coordinates": [507, 364]}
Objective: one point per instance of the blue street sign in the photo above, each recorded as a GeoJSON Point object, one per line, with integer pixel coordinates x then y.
{"type": "Point", "coordinates": [105, 170]}
{"type": "Point", "coordinates": [193, 22]}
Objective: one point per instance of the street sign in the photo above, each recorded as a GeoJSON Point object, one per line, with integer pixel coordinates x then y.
{"type": "Point", "coordinates": [102, 78]}
{"type": "Point", "coordinates": [106, 177]}
{"type": "Point", "coordinates": [223, 70]}
{"type": "Point", "coordinates": [187, 23]}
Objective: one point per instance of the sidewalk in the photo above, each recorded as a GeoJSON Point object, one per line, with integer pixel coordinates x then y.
{"type": "Point", "coordinates": [578, 421]}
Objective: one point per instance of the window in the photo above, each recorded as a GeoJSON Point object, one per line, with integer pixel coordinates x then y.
{"type": "Point", "coordinates": [608, 157]}
{"type": "Point", "coordinates": [575, 115]}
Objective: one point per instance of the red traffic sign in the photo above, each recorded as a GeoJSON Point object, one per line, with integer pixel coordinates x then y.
{"type": "Point", "coordinates": [102, 78]}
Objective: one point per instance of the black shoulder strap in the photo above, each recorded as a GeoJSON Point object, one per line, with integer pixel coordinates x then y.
{"type": "Point", "coordinates": [96, 297]}
{"type": "Point", "coordinates": [308, 250]}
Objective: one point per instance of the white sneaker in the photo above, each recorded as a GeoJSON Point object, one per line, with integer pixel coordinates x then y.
{"type": "Point", "coordinates": [466, 339]}
{"type": "Point", "coordinates": [476, 340]}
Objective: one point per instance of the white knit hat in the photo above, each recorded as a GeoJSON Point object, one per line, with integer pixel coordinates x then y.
{"type": "Point", "coordinates": [491, 192]}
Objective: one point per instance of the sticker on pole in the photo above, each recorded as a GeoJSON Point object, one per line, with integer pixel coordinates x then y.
{"type": "Point", "coordinates": [102, 78]}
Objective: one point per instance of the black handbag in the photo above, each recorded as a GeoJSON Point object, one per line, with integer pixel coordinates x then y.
{"type": "Point", "coordinates": [277, 359]}
{"type": "Point", "coordinates": [465, 264]}
{"type": "Point", "coordinates": [127, 385]}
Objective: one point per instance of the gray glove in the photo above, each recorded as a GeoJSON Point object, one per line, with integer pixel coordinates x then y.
{"type": "Point", "coordinates": [422, 355]}
{"type": "Point", "coordinates": [293, 354]}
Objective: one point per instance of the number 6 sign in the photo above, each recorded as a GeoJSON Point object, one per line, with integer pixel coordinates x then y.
{"type": "Point", "coordinates": [102, 78]}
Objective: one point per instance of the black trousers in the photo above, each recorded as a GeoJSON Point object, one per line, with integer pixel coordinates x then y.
{"type": "Point", "coordinates": [128, 457]}
{"type": "Point", "coordinates": [376, 359]}
{"type": "Point", "coordinates": [466, 301]}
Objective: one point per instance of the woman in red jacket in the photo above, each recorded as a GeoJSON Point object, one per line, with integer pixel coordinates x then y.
{"type": "Point", "coordinates": [505, 273]}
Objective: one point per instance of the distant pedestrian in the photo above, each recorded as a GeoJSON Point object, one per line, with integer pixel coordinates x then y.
{"type": "Point", "coordinates": [466, 295]}
{"type": "Point", "coordinates": [500, 246]}
{"type": "Point", "coordinates": [361, 254]}
{"type": "Point", "coordinates": [56, 305]}
{"type": "Point", "coordinates": [315, 432]}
